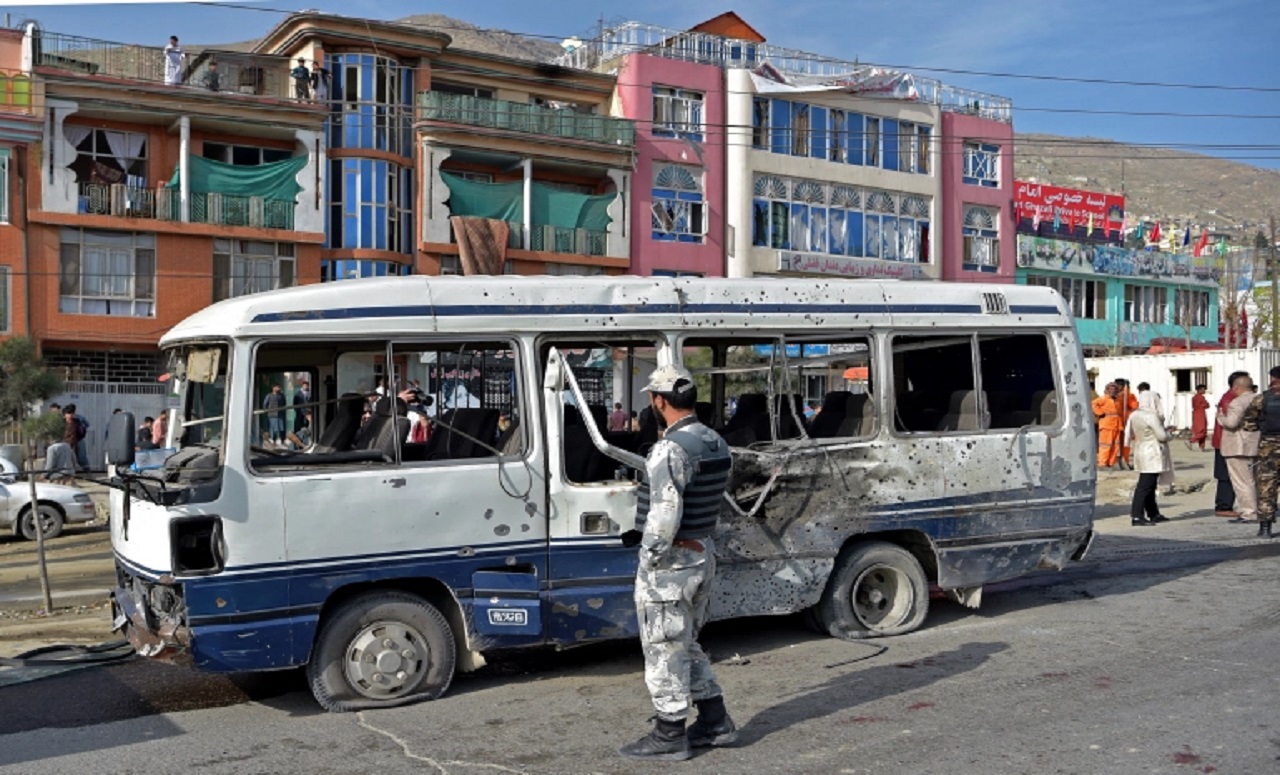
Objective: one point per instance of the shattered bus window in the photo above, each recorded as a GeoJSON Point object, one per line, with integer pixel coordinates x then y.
{"type": "Point", "coordinates": [1017, 380]}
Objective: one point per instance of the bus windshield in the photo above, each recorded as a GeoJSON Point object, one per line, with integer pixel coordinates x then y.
{"type": "Point", "coordinates": [200, 372]}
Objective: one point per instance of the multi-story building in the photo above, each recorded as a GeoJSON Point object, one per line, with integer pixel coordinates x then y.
{"type": "Point", "coordinates": [829, 167]}
{"type": "Point", "coordinates": [1124, 300]}
{"type": "Point", "coordinates": [146, 195]}
{"type": "Point", "coordinates": [427, 141]}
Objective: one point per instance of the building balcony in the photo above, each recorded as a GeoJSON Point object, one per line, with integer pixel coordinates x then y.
{"type": "Point", "coordinates": [554, 239]}
{"type": "Point", "coordinates": [525, 118]}
{"type": "Point", "coordinates": [164, 204]}
{"type": "Point", "coordinates": [235, 73]}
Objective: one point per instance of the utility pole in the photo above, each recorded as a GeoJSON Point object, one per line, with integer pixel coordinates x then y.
{"type": "Point", "coordinates": [1275, 298]}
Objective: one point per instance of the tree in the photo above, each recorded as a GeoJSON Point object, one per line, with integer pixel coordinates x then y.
{"type": "Point", "coordinates": [24, 381]}
{"type": "Point", "coordinates": [1260, 240]}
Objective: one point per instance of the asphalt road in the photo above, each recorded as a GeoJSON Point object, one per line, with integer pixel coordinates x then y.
{"type": "Point", "coordinates": [1138, 666]}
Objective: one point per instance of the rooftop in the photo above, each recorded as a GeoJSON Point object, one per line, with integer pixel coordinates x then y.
{"type": "Point", "coordinates": [728, 52]}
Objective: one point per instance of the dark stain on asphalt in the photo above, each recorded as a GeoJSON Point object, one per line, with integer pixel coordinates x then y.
{"type": "Point", "coordinates": [1186, 756]}
{"type": "Point", "coordinates": [920, 706]}
{"type": "Point", "coordinates": [1055, 676]}
{"type": "Point", "coordinates": [862, 720]}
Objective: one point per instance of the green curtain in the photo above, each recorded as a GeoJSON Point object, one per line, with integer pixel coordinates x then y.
{"type": "Point", "coordinates": [277, 180]}
{"type": "Point", "coordinates": [505, 201]}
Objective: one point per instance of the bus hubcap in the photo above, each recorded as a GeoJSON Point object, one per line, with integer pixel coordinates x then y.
{"type": "Point", "coordinates": [386, 659]}
{"type": "Point", "coordinates": [882, 597]}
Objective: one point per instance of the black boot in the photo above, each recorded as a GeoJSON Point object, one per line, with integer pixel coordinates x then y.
{"type": "Point", "coordinates": [666, 741]}
{"type": "Point", "coordinates": [1264, 529]}
{"type": "Point", "coordinates": [713, 727]}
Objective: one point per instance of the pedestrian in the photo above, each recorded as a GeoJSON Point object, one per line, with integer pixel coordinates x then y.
{"type": "Point", "coordinates": [301, 80]}
{"type": "Point", "coordinates": [1239, 448]}
{"type": "Point", "coordinates": [79, 435]}
{"type": "Point", "coordinates": [1265, 411]}
{"type": "Point", "coordinates": [1200, 416]}
{"type": "Point", "coordinates": [1224, 497]}
{"type": "Point", "coordinates": [70, 430]}
{"type": "Point", "coordinates": [301, 410]}
{"type": "Point", "coordinates": [686, 474]}
{"type": "Point", "coordinates": [160, 430]}
{"type": "Point", "coordinates": [617, 418]}
{"type": "Point", "coordinates": [1107, 411]}
{"type": "Point", "coordinates": [1156, 404]}
{"type": "Point", "coordinates": [274, 404]}
{"type": "Point", "coordinates": [1126, 403]}
{"type": "Point", "coordinates": [1146, 434]}
{"type": "Point", "coordinates": [143, 439]}
{"type": "Point", "coordinates": [174, 57]}
{"type": "Point", "coordinates": [212, 79]}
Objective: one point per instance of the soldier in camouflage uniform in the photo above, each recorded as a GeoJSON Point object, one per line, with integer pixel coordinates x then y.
{"type": "Point", "coordinates": [1265, 411]}
{"type": "Point", "coordinates": [686, 473]}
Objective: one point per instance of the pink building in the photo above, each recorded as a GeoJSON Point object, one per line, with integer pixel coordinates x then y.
{"type": "Point", "coordinates": [979, 244]}
{"type": "Point", "coordinates": [677, 201]}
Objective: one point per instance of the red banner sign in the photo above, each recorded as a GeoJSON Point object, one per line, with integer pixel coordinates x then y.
{"type": "Point", "coordinates": [1071, 205]}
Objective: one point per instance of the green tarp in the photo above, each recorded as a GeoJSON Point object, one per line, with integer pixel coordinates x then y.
{"type": "Point", "coordinates": [277, 180]}
{"type": "Point", "coordinates": [505, 202]}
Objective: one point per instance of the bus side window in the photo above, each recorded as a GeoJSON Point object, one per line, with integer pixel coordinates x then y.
{"type": "Point", "coordinates": [933, 384]}
{"type": "Point", "coordinates": [1017, 378]}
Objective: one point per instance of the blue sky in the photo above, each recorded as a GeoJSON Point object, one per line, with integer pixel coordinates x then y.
{"type": "Point", "coordinates": [1220, 42]}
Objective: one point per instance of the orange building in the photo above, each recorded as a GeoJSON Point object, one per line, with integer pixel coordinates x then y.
{"type": "Point", "coordinates": [136, 196]}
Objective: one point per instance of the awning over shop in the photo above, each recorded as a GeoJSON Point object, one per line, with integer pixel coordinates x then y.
{"type": "Point", "coordinates": [505, 201]}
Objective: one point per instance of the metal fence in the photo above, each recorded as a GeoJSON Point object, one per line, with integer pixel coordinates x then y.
{"type": "Point", "coordinates": [525, 117]}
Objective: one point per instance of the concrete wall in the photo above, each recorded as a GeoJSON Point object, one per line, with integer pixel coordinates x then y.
{"type": "Point", "coordinates": [956, 130]}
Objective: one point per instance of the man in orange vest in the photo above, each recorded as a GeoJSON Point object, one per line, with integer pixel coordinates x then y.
{"type": "Point", "coordinates": [1126, 404]}
{"type": "Point", "coordinates": [1106, 408]}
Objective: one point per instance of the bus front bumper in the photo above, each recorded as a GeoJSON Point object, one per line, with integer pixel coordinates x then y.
{"type": "Point", "coordinates": [167, 641]}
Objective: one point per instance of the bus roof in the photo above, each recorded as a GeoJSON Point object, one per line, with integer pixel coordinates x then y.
{"type": "Point", "coordinates": [511, 303]}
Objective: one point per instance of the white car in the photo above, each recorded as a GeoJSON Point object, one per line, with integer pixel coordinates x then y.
{"type": "Point", "coordinates": [57, 504]}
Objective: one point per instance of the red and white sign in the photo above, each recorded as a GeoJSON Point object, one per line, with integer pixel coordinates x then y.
{"type": "Point", "coordinates": [1070, 205]}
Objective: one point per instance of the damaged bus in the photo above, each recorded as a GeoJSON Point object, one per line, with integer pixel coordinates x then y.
{"type": "Point", "coordinates": [457, 476]}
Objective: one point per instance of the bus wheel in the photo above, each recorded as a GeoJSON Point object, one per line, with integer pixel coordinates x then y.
{"type": "Point", "coordinates": [380, 650]}
{"type": "Point", "coordinates": [876, 589]}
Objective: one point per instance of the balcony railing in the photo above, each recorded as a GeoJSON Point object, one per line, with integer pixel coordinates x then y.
{"type": "Point", "coordinates": [165, 204]}
{"type": "Point", "coordinates": [555, 239]}
{"type": "Point", "coordinates": [525, 118]}
{"type": "Point", "coordinates": [15, 91]}
{"type": "Point", "coordinates": [236, 72]}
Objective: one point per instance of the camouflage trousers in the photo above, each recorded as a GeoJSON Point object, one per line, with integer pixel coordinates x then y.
{"type": "Point", "coordinates": [1268, 470]}
{"type": "Point", "coordinates": [671, 605]}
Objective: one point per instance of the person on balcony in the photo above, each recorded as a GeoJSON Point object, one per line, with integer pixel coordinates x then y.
{"type": "Point", "coordinates": [174, 57]}
{"type": "Point", "coordinates": [319, 82]}
{"type": "Point", "coordinates": [212, 79]}
{"type": "Point", "coordinates": [301, 80]}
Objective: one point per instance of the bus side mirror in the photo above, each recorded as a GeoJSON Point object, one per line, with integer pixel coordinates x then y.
{"type": "Point", "coordinates": [120, 439]}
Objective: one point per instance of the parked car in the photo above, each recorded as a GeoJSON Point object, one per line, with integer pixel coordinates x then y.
{"type": "Point", "coordinates": [57, 504]}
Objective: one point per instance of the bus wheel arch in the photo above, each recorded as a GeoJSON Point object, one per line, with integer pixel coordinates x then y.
{"type": "Point", "coordinates": [877, 588]}
{"type": "Point", "coordinates": [380, 647]}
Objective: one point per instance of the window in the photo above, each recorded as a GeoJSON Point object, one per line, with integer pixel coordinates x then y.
{"type": "Point", "coordinates": [981, 239]}
{"type": "Point", "coordinates": [1191, 308]}
{"type": "Point", "coordinates": [4, 185]}
{"type": "Point", "coordinates": [934, 389]}
{"type": "Point", "coordinates": [771, 389]}
{"type": "Point", "coordinates": [923, 151]}
{"type": "Point", "coordinates": [677, 112]}
{"type": "Point", "coordinates": [105, 156]}
{"type": "Point", "coordinates": [982, 165]}
{"type": "Point", "coordinates": [355, 268]}
{"type": "Point", "coordinates": [1145, 304]}
{"type": "Point", "coordinates": [679, 210]}
{"type": "Point", "coordinates": [5, 301]}
{"type": "Point", "coordinates": [244, 155]}
{"type": "Point", "coordinates": [461, 88]}
{"type": "Point", "coordinates": [374, 109]}
{"type": "Point", "coordinates": [1188, 380]}
{"type": "Point", "coordinates": [913, 148]}
{"type": "Point", "coordinates": [243, 266]}
{"type": "Point", "coordinates": [759, 123]}
{"type": "Point", "coordinates": [839, 137]}
{"type": "Point", "coordinates": [107, 273]}
{"type": "Point", "coordinates": [370, 204]}
{"type": "Point", "coordinates": [913, 229]}
{"type": "Point", "coordinates": [562, 270]}
{"type": "Point", "coordinates": [871, 142]}
{"type": "Point", "coordinates": [1086, 298]}
{"type": "Point", "coordinates": [799, 129]}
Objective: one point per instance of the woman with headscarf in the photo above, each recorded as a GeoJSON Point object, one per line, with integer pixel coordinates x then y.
{"type": "Point", "coordinates": [1146, 434]}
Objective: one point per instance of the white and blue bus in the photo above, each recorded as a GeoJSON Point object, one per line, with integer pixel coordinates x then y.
{"type": "Point", "coordinates": [458, 475]}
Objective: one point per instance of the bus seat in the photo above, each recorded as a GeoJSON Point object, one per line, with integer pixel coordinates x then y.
{"type": "Point", "coordinates": [1044, 403]}
{"type": "Point", "coordinates": [458, 432]}
{"type": "Point", "coordinates": [601, 415]}
{"type": "Point", "coordinates": [790, 418]}
{"type": "Point", "coordinates": [826, 424]}
{"type": "Point", "coordinates": [706, 413]}
{"type": "Point", "coordinates": [648, 435]}
{"type": "Point", "coordinates": [859, 416]}
{"type": "Point", "coordinates": [750, 406]}
{"type": "Point", "coordinates": [367, 436]}
{"type": "Point", "coordinates": [582, 461]}
{"type": "Point", "coordinates": [342, 429]}
{"type": "Point", "coordinates": [963, 412]}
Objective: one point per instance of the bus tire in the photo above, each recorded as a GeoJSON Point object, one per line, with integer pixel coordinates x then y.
{"type": "Point", "coordinates": [876, 589]}
{"type": "Point", "coordinates": [381, 650]}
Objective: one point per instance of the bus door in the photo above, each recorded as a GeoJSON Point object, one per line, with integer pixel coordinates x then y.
{"type": "Point", "coordinates": [592, 495]}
